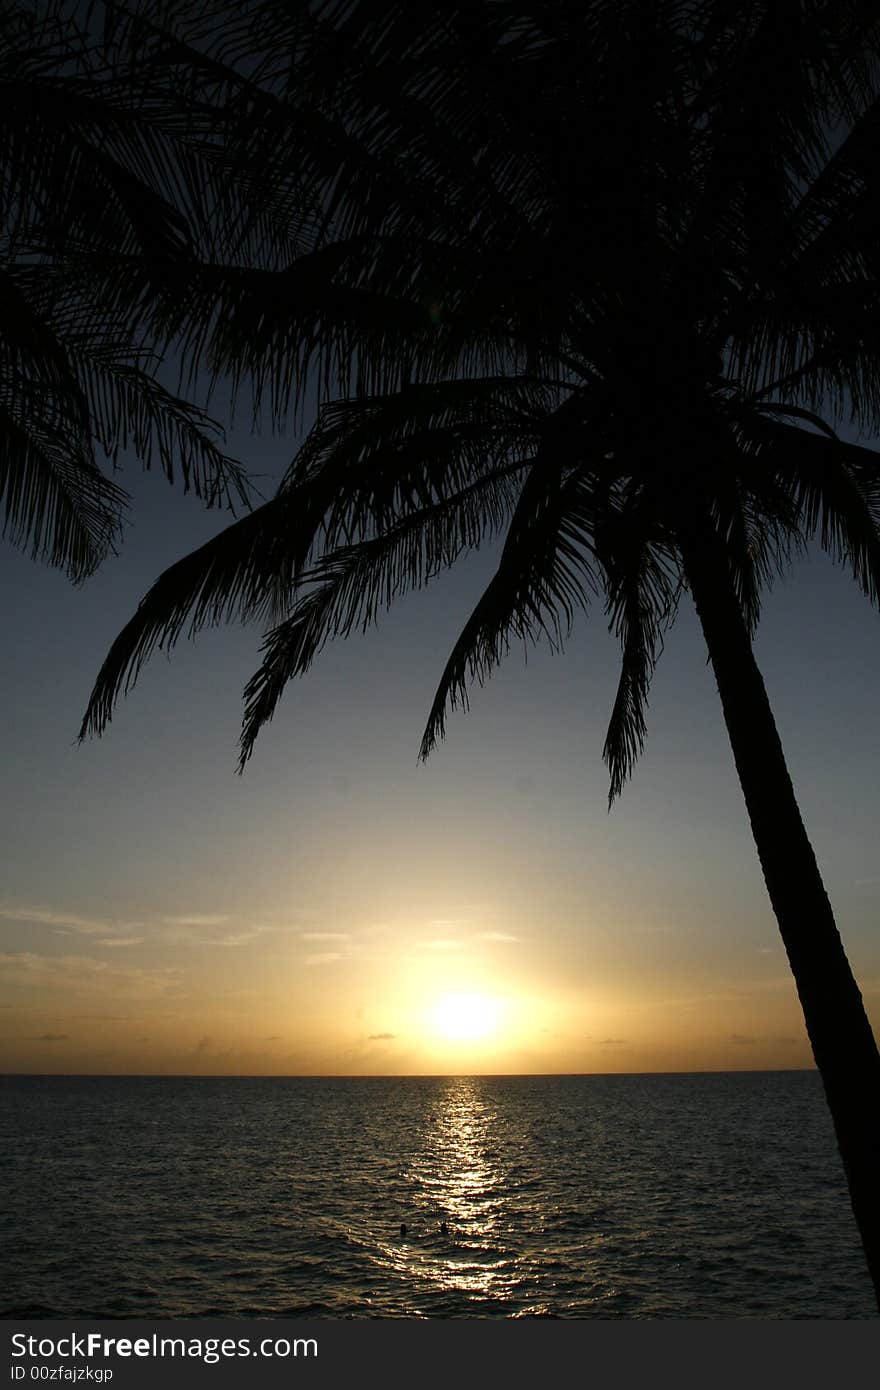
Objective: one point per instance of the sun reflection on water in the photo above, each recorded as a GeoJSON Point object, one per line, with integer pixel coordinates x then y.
{"type": "Point", "coordinates": [458, 1177]}
{"type": "Point", "coordinates": [454, 1170]}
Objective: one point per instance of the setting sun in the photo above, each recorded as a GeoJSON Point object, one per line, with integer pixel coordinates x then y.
{"type": "Point", "coordinates": [464, 1017]}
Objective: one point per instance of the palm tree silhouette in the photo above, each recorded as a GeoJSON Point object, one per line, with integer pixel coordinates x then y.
{"type": "Point", "coordinates": [91, 172]}
{"type": "Point", "coordinates": [599, 279]}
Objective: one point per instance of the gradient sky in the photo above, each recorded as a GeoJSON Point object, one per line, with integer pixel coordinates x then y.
{"type": "Point", "coordinates": [161, 914]}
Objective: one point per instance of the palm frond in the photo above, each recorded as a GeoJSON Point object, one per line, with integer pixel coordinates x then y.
{"type": "Point", "coordinates": [372, 470]}
{"type": "Point", "coordinates": [642, 585]}
{"type": "Point", "coordinates": [56, 503]}
{"type": "Point", "coordinates": [232, 576]}
{"type": "Point", "coordinates": [544, 575]}
{"type": "Point", "coordinates": [349, 587]}
{"type": "Point", "coordinates": [835, 491]}
{"type": "Point", "coordinates": [89, 157]}
{"type": "Point", "coordinates": [131, 409]}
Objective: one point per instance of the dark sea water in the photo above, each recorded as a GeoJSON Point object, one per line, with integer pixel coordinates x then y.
{"type": "Point", "coordinates": [713, 1196]}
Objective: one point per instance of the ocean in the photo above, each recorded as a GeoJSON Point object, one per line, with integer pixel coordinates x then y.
{"type": "Point", "coordinates": [677, 1196]}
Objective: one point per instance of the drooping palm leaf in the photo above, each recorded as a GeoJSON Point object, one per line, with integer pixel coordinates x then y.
{"type": "Point", "coordinates": [351, 585]}
{"type": "Point", "coordinates": [433, 456]}
{"type": "Point", "coordinates": [88, 159]}
{"type": "Point", "coordinates": [544, 576]}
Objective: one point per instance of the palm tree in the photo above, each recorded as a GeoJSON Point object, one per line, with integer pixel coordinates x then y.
{"type": "Point", "coordinates": [90, 159]}
{"type": "Point", "coordinates": [602, 280]}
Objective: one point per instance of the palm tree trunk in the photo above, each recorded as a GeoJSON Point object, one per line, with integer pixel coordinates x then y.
{"type": "Point", "coordinates": [843, 1044]}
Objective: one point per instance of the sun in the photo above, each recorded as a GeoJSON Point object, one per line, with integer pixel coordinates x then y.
{"type": "Point", "coordinates": [464, 1017]}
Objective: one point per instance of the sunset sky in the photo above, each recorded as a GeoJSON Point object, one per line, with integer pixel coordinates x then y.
{"type": "Point", "coordinates": [342, 908]}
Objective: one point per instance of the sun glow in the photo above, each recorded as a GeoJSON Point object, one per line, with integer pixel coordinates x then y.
{"type": "Point", "coordinates": [464, 1017]}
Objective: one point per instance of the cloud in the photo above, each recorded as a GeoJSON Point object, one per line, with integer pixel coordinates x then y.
{"type": "Point", "coordinates": [85, 975]}
{"type": "Point", "coordinates": [325, 936]}
{"type": "Point", "coordinates": [63, 922]}
{"type": "Point", "coordinates": [741, 1038]}
{"type": "Point", "coordinates": [51, 1037]}
{"type": "Point", "coordinates": [323, 958]}
{"type": "Point", "coordinates": [204, 1044]}
{"type": "Point", "coordinates": [196, 920]}
{"type": "Point", "coordinates": [239, 936]}
{"type": "Point", "coordinates": [199, 929]}
{"type": "Point", "coordinates": [213, 931]}
{"type": "Point", "coordinates": [381, 1037]}
{"type": "Point", "coordinates": [497, 936]}
{"type": "Point", "coordinates": [439, 945]}
{"type": "Point", "coordinates": [611, 1042]}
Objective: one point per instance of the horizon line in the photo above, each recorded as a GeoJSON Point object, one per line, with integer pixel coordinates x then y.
{"type": "Point", "coordinates": [383, 1076]}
